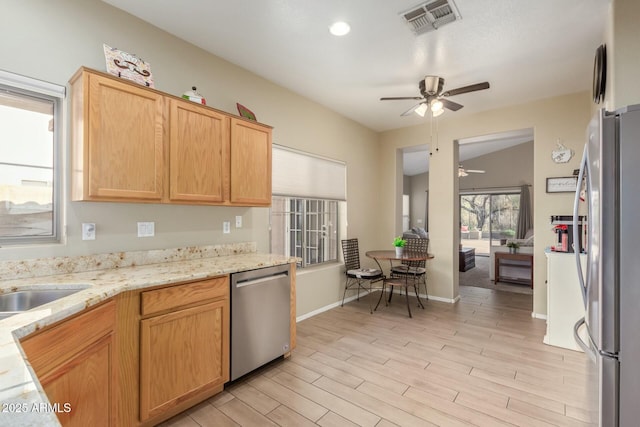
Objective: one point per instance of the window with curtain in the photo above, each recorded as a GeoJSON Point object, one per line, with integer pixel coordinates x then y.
{"type": "Point", "coordinates": [307, 193]}
{"type": "Point", "coordinates": [30, 121]}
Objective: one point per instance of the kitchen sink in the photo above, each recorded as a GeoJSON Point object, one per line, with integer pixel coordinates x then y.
{"type": "Point", "coordinates": [14, 302]}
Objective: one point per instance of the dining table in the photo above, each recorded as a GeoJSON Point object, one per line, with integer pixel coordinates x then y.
{"type": "Point", "coordinates": [391, 256]}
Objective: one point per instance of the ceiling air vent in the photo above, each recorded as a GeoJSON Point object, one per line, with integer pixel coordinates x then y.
{"type": "Point", "coordinates": [431, 15]}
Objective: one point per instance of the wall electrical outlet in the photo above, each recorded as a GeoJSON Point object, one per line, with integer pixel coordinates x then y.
{"type": "Point", "coordinates": [88, 231]}
{"type": "Point", "coordinates": [146, 229]}
{"type": "Point", "coordinates": [238, 221]}
{"type": "Point", "coordinates": [226, 227]}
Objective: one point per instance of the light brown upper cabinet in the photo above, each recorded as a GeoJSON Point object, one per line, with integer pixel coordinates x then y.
{"type": "Point", "coordinates": [250, 163]}
{"type": "Point", "coordinates": [117, 136]}
{"type": "Point", "coordinates": [135, 144]}
{"type": "Point", "coordinates": [198, 153]}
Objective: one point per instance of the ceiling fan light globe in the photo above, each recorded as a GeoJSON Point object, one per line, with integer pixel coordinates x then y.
{"type": "Point", "coordinates": [421, 110]}
{"type": "Point", "coordinates": [437, 113]}
{"type": "Point", "coordinates": [436, 105]}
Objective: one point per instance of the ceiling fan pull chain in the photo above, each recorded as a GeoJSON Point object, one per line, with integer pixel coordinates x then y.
{"type": "Point", "coordinates": [431, 133]}
{"type": "Point", "coordinates": [437, 149]}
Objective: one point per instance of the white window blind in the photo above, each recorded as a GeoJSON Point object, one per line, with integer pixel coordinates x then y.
{"type": "Point", "coordinates": [304, 175]}
{"type": "Point", "coordinates": [27, 83]}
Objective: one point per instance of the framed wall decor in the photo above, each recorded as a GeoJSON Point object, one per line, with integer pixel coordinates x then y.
{"type": "Point", "coordinates": [127, 66]}
{"type": "Point", "coordinates": [562, 184]}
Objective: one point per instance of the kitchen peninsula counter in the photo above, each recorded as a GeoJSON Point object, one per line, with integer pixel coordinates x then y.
{"type": "Point", "coordinates": [22, 400]}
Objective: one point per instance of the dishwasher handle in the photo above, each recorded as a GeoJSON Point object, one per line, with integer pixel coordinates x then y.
{"type": "Point", "coordinates": [252, 282]}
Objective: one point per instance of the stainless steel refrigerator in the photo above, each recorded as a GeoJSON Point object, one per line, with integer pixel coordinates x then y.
{"type": "Point", "coordinates": [610, 182]}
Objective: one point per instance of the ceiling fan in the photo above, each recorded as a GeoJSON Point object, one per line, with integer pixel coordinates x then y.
{"type": "Point", "coordinates": [435, 98]}
{"type": "Point", "coordinates": [465, 172]}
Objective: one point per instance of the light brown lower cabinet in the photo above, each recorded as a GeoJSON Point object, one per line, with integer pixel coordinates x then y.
{"type": "Point", "coordinates": [173, 349]}
{"type": "Point", "coordinates": [139, 358]}
{"type": "Point", "coordinates": [182, 354]}
{"type": "Point", "coordinates": [75, 362]}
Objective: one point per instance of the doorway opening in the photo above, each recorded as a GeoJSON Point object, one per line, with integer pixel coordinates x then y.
{"type": "Point", "coordinates": [495, 171]}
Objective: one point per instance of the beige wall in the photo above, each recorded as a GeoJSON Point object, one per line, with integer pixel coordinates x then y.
{"type": "Point", "coordinates": [50, 40]}
{"type": "Point", "coordinates": [419, 187]}
{"type": "Point", "coordinates": [623, 60]}
{"type": "Point", "coordinates": [510, 167]}
{"type": "Point", "coordinates": [564, 117]}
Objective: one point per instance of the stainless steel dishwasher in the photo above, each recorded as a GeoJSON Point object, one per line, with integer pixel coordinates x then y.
{"type": "Point", "coordinates": [260, 317]}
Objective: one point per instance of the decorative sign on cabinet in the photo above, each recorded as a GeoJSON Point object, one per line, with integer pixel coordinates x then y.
{"type": "Point", "coordinates": [135, 144]}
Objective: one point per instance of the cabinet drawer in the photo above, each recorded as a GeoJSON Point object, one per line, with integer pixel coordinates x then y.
{"type": "Point", "coordinates": [181, 295]}
{"type": "Point", "coordinates": [44, 349]}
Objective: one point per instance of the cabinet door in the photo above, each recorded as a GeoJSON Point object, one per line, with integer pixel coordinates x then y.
{"type": "Point", "coordinates": [182, 354]}
{"type": "Point", "coordinates": [124, 155]}
{"type": "Point", "coordinates": [250, 164]}
{"type": "Point", "coordinates": [75, 362]}
{"type": "Point", "coordinates": [199, 141]}
{"type": "Point", "coordinates": [81, 389]}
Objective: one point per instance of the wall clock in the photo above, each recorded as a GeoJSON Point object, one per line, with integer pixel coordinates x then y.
{"type": "Point", "coordinates": [599, 74]}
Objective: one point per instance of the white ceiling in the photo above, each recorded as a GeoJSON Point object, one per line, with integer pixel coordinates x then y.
{"type": "Point", "coordinates": [525, 49]}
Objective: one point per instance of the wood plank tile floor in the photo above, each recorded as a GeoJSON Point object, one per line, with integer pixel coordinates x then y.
{"type": "Point", "coordinates": [480, 362]}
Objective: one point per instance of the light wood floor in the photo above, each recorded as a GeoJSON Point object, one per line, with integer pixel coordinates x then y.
{"type": "Point", "coordinates": [479, 362]}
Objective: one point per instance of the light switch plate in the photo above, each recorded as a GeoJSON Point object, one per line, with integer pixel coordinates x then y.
{"type": "Point", "coordinates": [88, 231]}
{"type": "Point", "coordinates": [226, 227]}
{"type": "Point", "coordinates": [146, 229]}
{"type": "Point", "coordinates": [238, 221]}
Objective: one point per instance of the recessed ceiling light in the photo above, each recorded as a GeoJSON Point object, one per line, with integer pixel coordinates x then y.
{"type": "Point", "coordinates": [339, 28]}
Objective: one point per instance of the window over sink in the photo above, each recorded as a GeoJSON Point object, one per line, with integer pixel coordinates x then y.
{"type": "Point", "coordinates": [30, 129]}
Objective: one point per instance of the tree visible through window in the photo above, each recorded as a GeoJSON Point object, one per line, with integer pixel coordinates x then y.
{"type": "Point", "coordinates": [27, 166]}
{"type": "Point", "coordinates": [490, 217]}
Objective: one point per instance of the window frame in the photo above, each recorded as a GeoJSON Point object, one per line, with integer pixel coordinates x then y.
{"type": "Point", "coordinates": [304, 231]}
{"type": "Point", "coordinates": [23, 86]}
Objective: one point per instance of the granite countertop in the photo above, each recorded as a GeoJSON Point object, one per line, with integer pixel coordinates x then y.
{"type": "Point", "coordinates": [22, 400]}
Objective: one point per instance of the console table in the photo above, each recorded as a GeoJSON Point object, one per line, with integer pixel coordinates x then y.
{"type": "Point", "coordinates": [519, 268]}
{"type": "Point", "coordinates": [467, 259]}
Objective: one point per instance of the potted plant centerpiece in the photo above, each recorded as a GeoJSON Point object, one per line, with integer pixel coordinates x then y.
{"type": "Point", "coordinates": [513, 247]}
{"type": "Point", "coordinates": [399, 243]}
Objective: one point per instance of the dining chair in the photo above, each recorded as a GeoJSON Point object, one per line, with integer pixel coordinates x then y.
{"type": "Point", "coordinates": [414, 272]}
{"type": "Point", "coordinates": [395, 282]}
{"type": "Point", "coordinates": [355, 276]}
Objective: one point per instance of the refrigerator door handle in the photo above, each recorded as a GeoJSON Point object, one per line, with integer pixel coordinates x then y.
{"type": "Point", "coordinates": [583, 345]}
{"type": "Point", "coordinates": [584, 164]}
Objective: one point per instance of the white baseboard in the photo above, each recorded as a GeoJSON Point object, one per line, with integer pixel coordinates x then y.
{"type": "Point", "coordinates": [539, 316]}
{"type": "Point", "coordinates": [365, 293]}
{"type": "Point", "coordinates": [330, 306]}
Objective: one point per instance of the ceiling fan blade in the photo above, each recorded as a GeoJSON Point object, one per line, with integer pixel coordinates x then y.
{"type": "Point", "coordinates": [466, 89]}
{"type": "Point", "coordinates": [453, 106]}
{"type": "Point", "coordinates": [400, 98]}
{"type": "Point", "coordinates": [412, 109]}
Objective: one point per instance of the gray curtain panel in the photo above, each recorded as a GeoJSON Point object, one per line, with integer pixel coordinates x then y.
{"type": "Point", "coordinates": [524, 217]}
